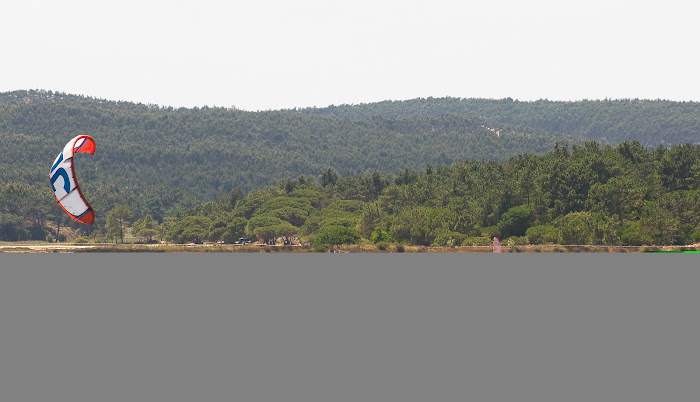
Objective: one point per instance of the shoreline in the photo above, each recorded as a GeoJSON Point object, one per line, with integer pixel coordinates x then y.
{"type": "Point", "coordinates": [364, 248]}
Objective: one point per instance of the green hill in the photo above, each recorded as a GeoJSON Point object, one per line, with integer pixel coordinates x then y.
{"type": "Point", "coordinates": [651, 122]}
{"type": "Point", "coordinates": [162, 160]}
{"type": "Point", "coordinates": [174, 158]}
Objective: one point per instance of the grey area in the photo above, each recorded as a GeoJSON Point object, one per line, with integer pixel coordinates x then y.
{"type": "Point", "coordinates": [349, 327]}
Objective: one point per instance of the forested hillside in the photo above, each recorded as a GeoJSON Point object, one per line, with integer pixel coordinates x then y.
{"type": "Point", "coordinates": [439, 161]}
{"type": "Point", "coordinates": [651, 122]}
{"type": "Point", "coordinates": [163, 159]}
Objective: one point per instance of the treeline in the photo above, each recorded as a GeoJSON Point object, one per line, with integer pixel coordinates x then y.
{"type": "Point", "coordinates": [590, 194]}
{"type": "Point", "coordinates": [651, 122]}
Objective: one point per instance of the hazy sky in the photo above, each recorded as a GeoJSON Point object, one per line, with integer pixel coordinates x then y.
{"type": "Point", "coordinates": [271, 54]}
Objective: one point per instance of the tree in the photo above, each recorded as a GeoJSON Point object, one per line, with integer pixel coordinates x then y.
{"type": "Point", "coordinates": [449, 238]}
{"type": "Point", "coordinates": [633, 151]}
{"type": "Point", "coordinates": [235, 229]}
{"type": "Point", "coordinates": [10, 228]}
{"type": "Point", "coordinates": [679, 166]}
{"type": "Point", "coordinates": [255, 199]}
{"type": "Point", "coordinates": [380, 235]}
{"type": "Point", "coordinates": [117, 222]}
{"type": "Point", "coordinates": [619, 197]}
{"type": "Point", "coordinates": [269, 233]}
{"type": "Point", "coordinates": [370, 217]}
{"type": "Point", "coordinates": [164, 227]}
{"type": "Point", "coordinates": [260, 221]}
{"type": "Point", "coordinates": [235, 196]}
{"type": "Point", "coordinates": [286, 230]}
{"type": "Point", "coordinates": [577, 228]}
{"type": "Point", "coordinates": [146, 228]}
{"type": "Point", "coordinates": [190, 229]}
{"type": "Point", "coordinates": [336, 235]}
{"type": "Point", "coordinates": [542, 234]}
{"type": "Point", "coordinates": [684, 205]}
{"type": "Point", "coordinates": [658, 224]}
{"type": "Point", "coordinates": [605, 229]}
{"type": "Point", "coordinates": [269, 228]}
{"type": "Point", "coordinates": [515, 221]}
{"type": "Point", "coordinates": [631, 234]}
{"type": "Point", "coordinates": [217, 230]}
{"type": "Point", "coordinates": [329, 177]}
{"type": "Point", "coordinates": [468, 215]}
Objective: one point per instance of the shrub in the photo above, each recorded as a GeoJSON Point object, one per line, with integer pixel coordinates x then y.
{"type": "Point", "coordinates": [450, 239]}
{"type": "Point", "coordinates": [515, 221]}
{"type": "Point", "coordinates": [517, 241]}
{"type": "Point", "coordinates": [542, 234]}
{"type": "Point", "coordinates": [577, 228]}
{"type": "Point", "coordinates": [632, 235]}
{"type": "Point", "coordinates": [193, 229]}
{"type": "Point", "coordinates": [37, 232]}
{"type": "Point", "coordinates": [380, 236]}
{"type": "Point", "coordinates": [490, 232]}
{"type": "Point", "coordinates": [336, 235]}
{"type": "Point", "coordinates": [477, 241]}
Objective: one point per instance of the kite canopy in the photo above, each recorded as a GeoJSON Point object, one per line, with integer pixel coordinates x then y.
{"type": "Point", "coordinates": [65, 185]}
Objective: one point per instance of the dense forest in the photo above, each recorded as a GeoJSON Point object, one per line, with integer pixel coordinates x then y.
{"type": "Point", "coordinates": [651, 122]}
{"type": "Point", "coordinates": [623, 195]}
{"type": "Point", "coordinates": [163, 160]}
{"type": "Point", "coordinates": [403, 172]}
{"type": "Point", "coordinates": [207, 151]}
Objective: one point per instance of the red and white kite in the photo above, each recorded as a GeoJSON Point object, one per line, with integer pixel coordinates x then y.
{"type": "Point", "coordinates": [65, 186]}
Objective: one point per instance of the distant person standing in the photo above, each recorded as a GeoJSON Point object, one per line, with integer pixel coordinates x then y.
{"type": "Point", "coordinates": [496, 245]}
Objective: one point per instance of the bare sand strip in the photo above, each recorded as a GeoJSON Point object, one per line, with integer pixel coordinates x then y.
{"type": "Point", "coordinates": [44, 248]}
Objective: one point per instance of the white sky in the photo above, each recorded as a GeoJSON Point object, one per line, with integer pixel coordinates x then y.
{"type": "Point", "coordinates": [271, 54]}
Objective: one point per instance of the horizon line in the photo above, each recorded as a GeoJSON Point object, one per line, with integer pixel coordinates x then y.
{"type": "Point", "coordinates": [233, 107]}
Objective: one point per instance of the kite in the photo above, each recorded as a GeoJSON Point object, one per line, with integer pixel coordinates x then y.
{"type": "Point", "coordinates": [65, 185]}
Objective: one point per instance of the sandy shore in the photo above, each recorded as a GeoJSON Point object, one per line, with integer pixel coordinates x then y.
{"type": "Point", "coordinates": [47, 248]}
